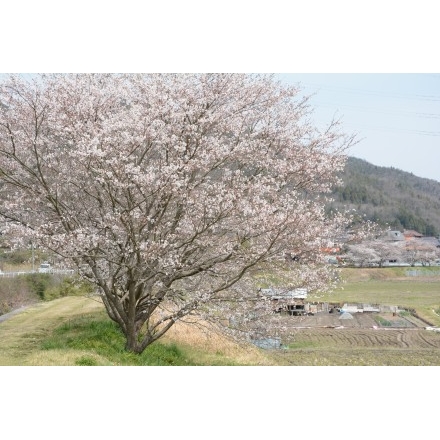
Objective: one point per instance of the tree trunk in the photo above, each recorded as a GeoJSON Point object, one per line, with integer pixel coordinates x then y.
{"type": "Point", "coordinates": [132, 344]}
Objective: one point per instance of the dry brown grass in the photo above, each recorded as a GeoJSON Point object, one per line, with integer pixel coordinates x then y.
{"type": "Point", "coordinates": [199, 338]}
{"type": "Point", "coordinates": [63, 358]}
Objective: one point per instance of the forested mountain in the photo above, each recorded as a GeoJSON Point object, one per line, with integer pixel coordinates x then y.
{"type": "Point", "coordinates": [390, 196]}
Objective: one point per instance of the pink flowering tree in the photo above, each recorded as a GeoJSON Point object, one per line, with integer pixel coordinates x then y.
{"type": "Point", "coordinates": [172, 193]}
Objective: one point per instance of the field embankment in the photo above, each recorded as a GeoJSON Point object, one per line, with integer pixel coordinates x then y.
{"type": "Point", "coordinates": [76, 331]}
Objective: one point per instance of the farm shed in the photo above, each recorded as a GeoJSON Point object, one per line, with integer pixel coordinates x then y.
{"type": "Point", "coordinates": [283, 300]}
{"type": "Point", "coordinates": [296, 309]}
{"type": "Point", "coordinates": [360, 308]}
{"type": "Point", "coordinates": [316, 307]}
{"type": "Point", "coordinates": [299, 307]}
{"type": "Point", "coordinates": [389, 309]}
{"type": "Point", "coordinates": [393, 236]}
{"type": "Point", "coordinates": [371, 308]}
{"type": "Point", "coordinates": [292, 302]}
{"type": "Point", "coordinates": [353, 308]}
{"type": "Point", "coordinates": [277, 294]}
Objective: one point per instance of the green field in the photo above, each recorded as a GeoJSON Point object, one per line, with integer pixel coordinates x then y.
{"type": "Point", "coordinates": [413, 288]}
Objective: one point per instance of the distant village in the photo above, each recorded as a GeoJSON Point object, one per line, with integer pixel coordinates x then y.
{"type": "Point", "coordinates": [394, 248]}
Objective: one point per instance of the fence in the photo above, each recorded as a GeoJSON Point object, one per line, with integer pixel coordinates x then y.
{"type": "Point", "coordinates": [53, 271]}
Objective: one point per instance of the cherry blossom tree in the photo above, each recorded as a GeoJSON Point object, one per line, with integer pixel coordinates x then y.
{"type": "Point", "coordinates": [171, 193]}
{"type": "Point", "coordinates": [420, 251]}
{"type": "Point", "coordinates": [362, 254]}
{"type": "Point", "coordinates": [377, 251]}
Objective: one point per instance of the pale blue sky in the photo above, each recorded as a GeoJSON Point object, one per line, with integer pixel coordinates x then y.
{"type": "Point", "coordinates": [396, 116]}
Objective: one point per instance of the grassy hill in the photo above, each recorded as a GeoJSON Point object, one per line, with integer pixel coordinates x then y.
{"type": "Point", "coordinates": [390, 196]}
{"type": "Point", "coordinates": [75, 330]}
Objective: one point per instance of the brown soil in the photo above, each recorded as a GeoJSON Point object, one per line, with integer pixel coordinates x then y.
{"type": "Point", "coordinates": [381, 331]}
{"type": "Point", "coordinates": [360, 320]}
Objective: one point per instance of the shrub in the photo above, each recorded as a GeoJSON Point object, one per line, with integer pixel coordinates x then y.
{"type": "Point", "coordinates": [20, 256]}
{"type": "Point", "coordinates": [15, 257]}
{"type": "Point", "coordinates": [49, 286]}
{"type": "Point", "coordinates": [73, 286]}
{"type": "Point", "coordinates": [15, 293]}
{"type": "Point", "coordinates": [31, 288]}
{"type": "Point", "coordinates": [38, 283]}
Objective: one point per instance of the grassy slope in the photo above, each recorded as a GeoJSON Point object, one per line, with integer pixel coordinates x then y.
{"type": "Point", "coordinates": [76, 331]}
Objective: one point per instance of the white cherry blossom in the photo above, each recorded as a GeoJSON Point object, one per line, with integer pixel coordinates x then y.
{"type": "Point", "coordinates": [172, 193]}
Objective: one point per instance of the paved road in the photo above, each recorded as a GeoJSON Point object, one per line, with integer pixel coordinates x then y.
{"type": "Point", "coordinates": [14, 312]}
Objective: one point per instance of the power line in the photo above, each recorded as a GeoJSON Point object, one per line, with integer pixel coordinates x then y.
{"type": "Point", "coordinates": [394, 129]}
{"type": "Point", "coordinates": [372, 110]}
{"type": "Point", "coordinates": [431, 98]}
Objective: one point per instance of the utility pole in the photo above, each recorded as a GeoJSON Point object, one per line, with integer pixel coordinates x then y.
{"type": "Point", "coordinates": [33, 257]}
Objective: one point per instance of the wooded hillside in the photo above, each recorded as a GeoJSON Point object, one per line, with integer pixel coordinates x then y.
{"type": "Point", "coordinates": [390, 196]}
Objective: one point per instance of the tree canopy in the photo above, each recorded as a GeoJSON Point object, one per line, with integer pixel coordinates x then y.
{"type": "Point", "coordinates": [169, 191]}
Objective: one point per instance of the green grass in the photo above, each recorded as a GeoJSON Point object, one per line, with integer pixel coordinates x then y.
{"type": "Point", "coordinates": [76, 331]}
{"type": "Point", "coordinates": [383, 322]}
{"type": "Point", "coordinates": [297, 345]}
{"type": "Point", "coordinates": [103, 338]}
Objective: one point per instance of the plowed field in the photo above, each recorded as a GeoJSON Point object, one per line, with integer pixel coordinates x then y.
{"type": "Point", "coordinates": [367, 339]}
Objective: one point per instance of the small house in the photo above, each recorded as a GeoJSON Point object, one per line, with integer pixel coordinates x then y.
{"type": "Point", "coordinates": [394, 236]}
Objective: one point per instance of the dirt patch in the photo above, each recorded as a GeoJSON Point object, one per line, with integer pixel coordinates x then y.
{"type": "Point", "coordinates": [358, 338]}
{"type": "Point", "coordinates": [359, 320]}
